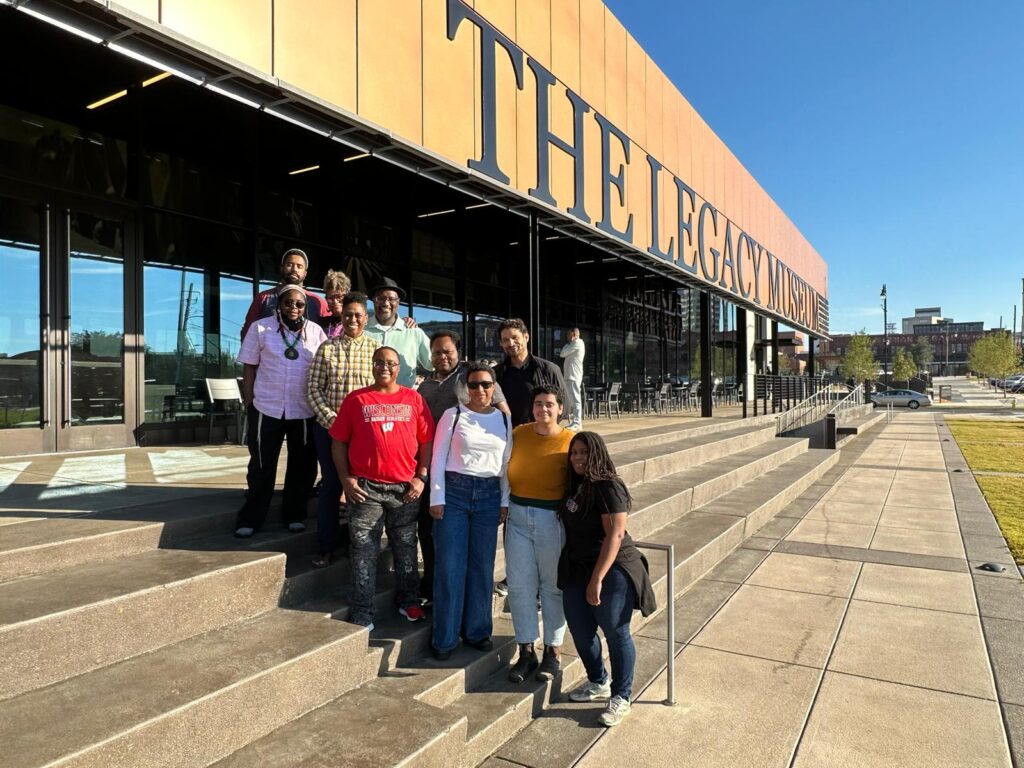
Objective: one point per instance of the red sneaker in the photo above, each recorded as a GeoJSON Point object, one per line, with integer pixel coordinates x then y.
{"type": "Point", "coordinates": [413, 612]}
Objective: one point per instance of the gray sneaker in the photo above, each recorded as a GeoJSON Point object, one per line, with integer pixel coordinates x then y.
{"type": "Point", "coordinates": [618, 708]}
{"type": "Point", "coordinates": [592, 691]}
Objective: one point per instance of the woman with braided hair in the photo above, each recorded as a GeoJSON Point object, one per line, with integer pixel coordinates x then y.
{"type": "Point", "coordinates": [602, 575]}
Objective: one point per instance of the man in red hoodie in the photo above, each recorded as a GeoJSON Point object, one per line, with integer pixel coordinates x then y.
{"type": "Point", "coordinates": [294, 266]}
{"type": "Point", "coordinates": [382, 442]}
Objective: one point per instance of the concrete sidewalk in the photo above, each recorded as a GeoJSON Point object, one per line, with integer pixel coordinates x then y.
{"type": "Point", "coordinates": [856, 639]}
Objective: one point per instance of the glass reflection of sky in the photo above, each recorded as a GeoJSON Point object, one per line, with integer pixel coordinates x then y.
{"type": "Point", "coordinates": [97, 295]}
{"type": "Point", "coordinates": [163, 299]}
{"type": "Point", "coordinates": [19, 300]}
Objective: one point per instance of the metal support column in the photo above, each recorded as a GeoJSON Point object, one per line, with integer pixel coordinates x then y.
{"type": "Point", "coordinates": [532, 321]}
{"type": "Point", "coordinates": [741, 358]}
{"type": "Point", "coordinates": [810, 357]}
{"type": "Point", "coordinates": [707, 381]}
{"type": "Point", "coordinates": [775, 348]}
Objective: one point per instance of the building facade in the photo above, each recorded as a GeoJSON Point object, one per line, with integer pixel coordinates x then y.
{"type": "Point", "coordinates": [495, 158]}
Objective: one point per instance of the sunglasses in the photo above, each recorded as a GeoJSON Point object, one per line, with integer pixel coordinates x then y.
{"type": "Point", "coordinates": [290, 303]}
{"type": "Point", "coordinates": [480, 384]}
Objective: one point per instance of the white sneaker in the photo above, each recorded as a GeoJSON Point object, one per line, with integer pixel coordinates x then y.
{"type": "Point", "coordinates": [296, 527]}
{"type": "Point", "coordinates": [244, 532]}
{"type": "Point", "coordinates": [618, 708]}
{"type": "Point", "coordinates": [592, 691]}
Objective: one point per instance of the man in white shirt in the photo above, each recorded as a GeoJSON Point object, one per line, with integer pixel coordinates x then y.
{"type": "Point", "coordinates": [572, 354]}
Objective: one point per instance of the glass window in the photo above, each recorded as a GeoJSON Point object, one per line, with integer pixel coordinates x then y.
{"type": "Point", "coordinates": [19, 315]}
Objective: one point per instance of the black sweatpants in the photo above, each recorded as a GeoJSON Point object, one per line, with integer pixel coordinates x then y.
{"type": "Point", "coordinates": [266, 436]}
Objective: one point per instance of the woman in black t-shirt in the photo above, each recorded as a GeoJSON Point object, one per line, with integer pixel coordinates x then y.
{"type": "Point", "coordinates": [602, 574]}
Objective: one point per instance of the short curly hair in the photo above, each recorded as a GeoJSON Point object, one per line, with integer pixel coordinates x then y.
{"type": "Point", "coordinates": [336, 281]}
{"type": "Point", "coordinates": [512, 324]}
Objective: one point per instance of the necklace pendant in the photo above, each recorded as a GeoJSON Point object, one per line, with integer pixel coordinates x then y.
{"type": "Point", "coordinates": [291, 353]}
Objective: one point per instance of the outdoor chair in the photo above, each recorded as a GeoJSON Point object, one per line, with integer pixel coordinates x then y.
{"type": "Point", "coordinates": [611, 400]}
{"type": "Point", "coordinates": [664, 400]}
{"type": "Point", "coordinates": [222, 393]}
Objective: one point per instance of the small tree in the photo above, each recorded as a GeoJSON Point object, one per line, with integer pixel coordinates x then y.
{"type": "Point", "coordinates": [995, 355]}
{"type": "Point", "coordinates": [921, 353]}
{"type": "Point", "coordinates": [902, 367]}
{"type": "Point", "coordinates": [859, 362]}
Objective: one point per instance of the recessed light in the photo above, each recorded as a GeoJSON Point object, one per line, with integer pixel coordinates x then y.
{"type": "Point", "coordinates": [435, 213]}
{"type": "Point", "coordinates": [356, 157]}
{"type": "Point", "coordinates": [155, 79]}
{"type": "Point", "coordinates": [304, 170]}
{"type": "Point", "coordinates": [107, 99]}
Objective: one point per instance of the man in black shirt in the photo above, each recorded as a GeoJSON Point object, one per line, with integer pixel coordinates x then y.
{"type": "Point", "coordinates": [520, 371]}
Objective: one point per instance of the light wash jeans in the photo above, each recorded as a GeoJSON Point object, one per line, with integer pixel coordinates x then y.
{"type": "Point", "coordinates": [574, 404]}
{"type": "Point", "coordinates": [534, 538]}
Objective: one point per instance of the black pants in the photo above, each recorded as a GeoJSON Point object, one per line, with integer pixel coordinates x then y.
{"type": "Point", "coordinates": [425, 525]}
{"type": "Point", "coordinates": [266, 435]}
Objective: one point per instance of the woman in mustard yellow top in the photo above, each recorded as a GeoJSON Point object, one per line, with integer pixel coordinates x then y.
{"type": "Point", "coordinates": [538, 474]}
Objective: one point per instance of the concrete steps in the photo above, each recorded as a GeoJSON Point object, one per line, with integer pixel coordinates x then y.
{"type": "Point", "coordinates": [61, 624]}
{"type": "Point", "coordinates": [191, 702]}
{"type": "Point", "coordinates": [184, 657]}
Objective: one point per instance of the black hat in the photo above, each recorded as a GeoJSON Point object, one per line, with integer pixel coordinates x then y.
{"type": "Point", "coordinates": [387, 284]}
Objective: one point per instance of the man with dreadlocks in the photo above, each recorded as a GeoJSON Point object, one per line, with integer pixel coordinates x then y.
{"type": "Point", "coordinates": [603, 576]}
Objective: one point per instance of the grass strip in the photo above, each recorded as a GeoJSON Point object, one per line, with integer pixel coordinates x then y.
{"type": "Point", "coordinates": [1005, 495]}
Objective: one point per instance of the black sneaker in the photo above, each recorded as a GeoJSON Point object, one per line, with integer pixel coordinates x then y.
{"type": "Point", "coordinates": [525, 664]}
{"type": "Point", "coordinates": [551, 663]}
{"type": "Point", "coordinates": [481, 645]}
{"type": "Point", "coordinates": [441, 655]}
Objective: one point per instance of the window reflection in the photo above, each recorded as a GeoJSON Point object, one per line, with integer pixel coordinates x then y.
{"type": "Point", "coordinates": [19, 315]}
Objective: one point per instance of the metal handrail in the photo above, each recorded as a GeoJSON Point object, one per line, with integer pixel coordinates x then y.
{"type": "Point", "coordinates": [805, 412]}
{"type": "Point", "coordinates": [670, 655]}
{"type": "Point", "coordinates": [853, 399]}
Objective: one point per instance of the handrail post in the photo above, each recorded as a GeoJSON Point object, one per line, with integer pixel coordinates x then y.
{"type": "Point", "coordinates": [670, 588]}
{"type": "Point", "coordinates": [830, 431]}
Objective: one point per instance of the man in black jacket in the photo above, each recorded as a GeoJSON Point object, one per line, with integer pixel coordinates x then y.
{"type": "Point", "coordinates": [520, 371]}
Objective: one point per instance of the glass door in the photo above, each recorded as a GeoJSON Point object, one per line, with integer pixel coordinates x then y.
{"type": "Point", "coordinates": [68, 355]}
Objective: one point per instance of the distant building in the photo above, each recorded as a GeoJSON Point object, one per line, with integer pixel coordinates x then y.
{"type": "Point", "coordinates": [929, 316]}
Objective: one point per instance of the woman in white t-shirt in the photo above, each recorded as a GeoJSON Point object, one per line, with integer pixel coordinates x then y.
{"type": "Point", "coordinates": [468, 498]}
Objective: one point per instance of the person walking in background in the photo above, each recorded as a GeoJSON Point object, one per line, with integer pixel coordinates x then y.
{"type": "Point", "coordinates": [572, 354]}
{"type": "Point", "coordinates": [336, 285]}
{"type": "Point", "coordinates": [538, 477]}
{"type": "Point", "coordinates": [603, 576]}
{"type": "Point", "coordinates": [469, 494]}
{"type": "Point", "coordinates": [381, 450]}
{"type": "Point", "coordinates": [390, 330]}
{"type": "Point", "coordinates": [444, 388]}
{"type": "Point", "coordinates": [277, 353]}
{"type": "Point", "coordinates": [294, 267]}
{"type": "Point", "coordinates": [520, 372]}
{"type": "Point", "coordinates": [341, 365]}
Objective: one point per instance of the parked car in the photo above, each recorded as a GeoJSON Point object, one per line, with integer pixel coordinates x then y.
{"type": "Point", "coordinates": [897, 397]}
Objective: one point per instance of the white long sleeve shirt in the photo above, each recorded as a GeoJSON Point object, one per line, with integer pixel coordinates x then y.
{"type": "Point", "coordinates": [479, 445]}
{"type": "Point", "coordinates": [573, 352]}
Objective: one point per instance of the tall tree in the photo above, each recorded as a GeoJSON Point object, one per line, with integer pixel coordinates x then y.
{"type": "Point", "coordinates": [902, 366]}
{"type": "Point", "coordinates": [995, 355]}
{"type": "Point", "coordinates": [859, 362]}
{"type": "Point", "coordinates": [921, 353]}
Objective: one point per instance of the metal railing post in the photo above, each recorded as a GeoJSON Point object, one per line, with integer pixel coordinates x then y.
{"type": "Point", "coordinates": [670, 588]}
{"type": "Point", "coordinates": [830, 431]}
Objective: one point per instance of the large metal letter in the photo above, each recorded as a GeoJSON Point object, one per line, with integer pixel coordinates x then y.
{"type": "Point", "coordinates": [608, 179]}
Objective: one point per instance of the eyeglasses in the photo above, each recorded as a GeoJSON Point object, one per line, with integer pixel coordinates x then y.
{"type": "Point", "coordinates": [386, 364]}
{"type": "Point", "coordinates": [480, 384]}
{"type": "Point", "coordinates": [290, 303]}
{"type": "Point", "coordinates": [335, 298]}
{"type": "Point", "coordinates": [383, 299]}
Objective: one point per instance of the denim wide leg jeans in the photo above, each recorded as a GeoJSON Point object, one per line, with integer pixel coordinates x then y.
{"type": "Point", "coordinates": [465, 543]}
{"type": "Point", "coordinates": [534, 538]}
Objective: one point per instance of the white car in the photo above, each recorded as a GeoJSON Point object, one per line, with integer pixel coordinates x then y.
{"type": "Point", "coordinates": [909, 398]}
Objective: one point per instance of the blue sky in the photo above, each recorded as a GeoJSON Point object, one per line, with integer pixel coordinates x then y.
{"type": "Point", "coordinates": [891, 133]}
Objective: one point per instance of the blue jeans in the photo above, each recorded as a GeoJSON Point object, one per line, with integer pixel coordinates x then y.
{"type": "Point", "coordinates": [465, 541]}
{"type": "Point", "coordinates": [534, 538]}
{"type": "Point", "coordinates": [330, 491]}
{"type": "Point", "coordinates": [613, 614]}
{"type": "Point", "coordinates": [384, 508]}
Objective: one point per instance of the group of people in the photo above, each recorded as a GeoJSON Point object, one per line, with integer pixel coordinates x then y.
{"type": "Point", "coordinates": [443, 464]}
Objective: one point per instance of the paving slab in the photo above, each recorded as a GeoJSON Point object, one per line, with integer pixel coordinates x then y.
{"type": "Point", "coordinates": [694, 608]}
{"type": "Point", "coordinates": [860, 723]}
{"type": "Point", "coordinates": [1001, 598]}
{"type": "Point", "coordinates": [836, 511]}
{"type": "Point", "coordinates": [873, 555]}
{"type": "Point", "coordinates": [931, 649]}
{"type": "Point", "coordinates": [1006, 648]}
{"type": "Point", "coordinates": [922, 519]}
{"type": "Point", "coordinates": [937, 543]}
{"type": "Point", "coordinates": [816, 575]}
{"type": "Point", "coordinates": [733, 711]}
{"type": "Point", "coordinates": [790, 627]}
{"type": "Point", "coordinates": [826, 532]}
{"type": "Point", "coordinates": [917, 587]}
{"type": "Point", "coordinates": [738, 566]}
{"type": "Point", "coordinates": [1014, 718]}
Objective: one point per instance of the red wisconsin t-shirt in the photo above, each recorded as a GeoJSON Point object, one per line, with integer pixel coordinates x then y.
{"type": "Point", "coordinates": [384, 433]}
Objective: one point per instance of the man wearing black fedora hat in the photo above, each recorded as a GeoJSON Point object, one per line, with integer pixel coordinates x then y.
{"type": "Point", "coordinates": [389, 330]}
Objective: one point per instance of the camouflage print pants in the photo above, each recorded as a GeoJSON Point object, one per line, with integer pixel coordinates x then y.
{"type": "Point", "coordinates": [383, 509]}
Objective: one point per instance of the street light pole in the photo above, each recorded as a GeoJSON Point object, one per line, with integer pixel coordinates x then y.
{"type": "Point", "coordinates": [885, 336]}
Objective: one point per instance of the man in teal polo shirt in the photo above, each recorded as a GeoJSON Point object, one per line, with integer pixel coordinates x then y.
{"type": "Point", "coordinates": [389, 330]}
